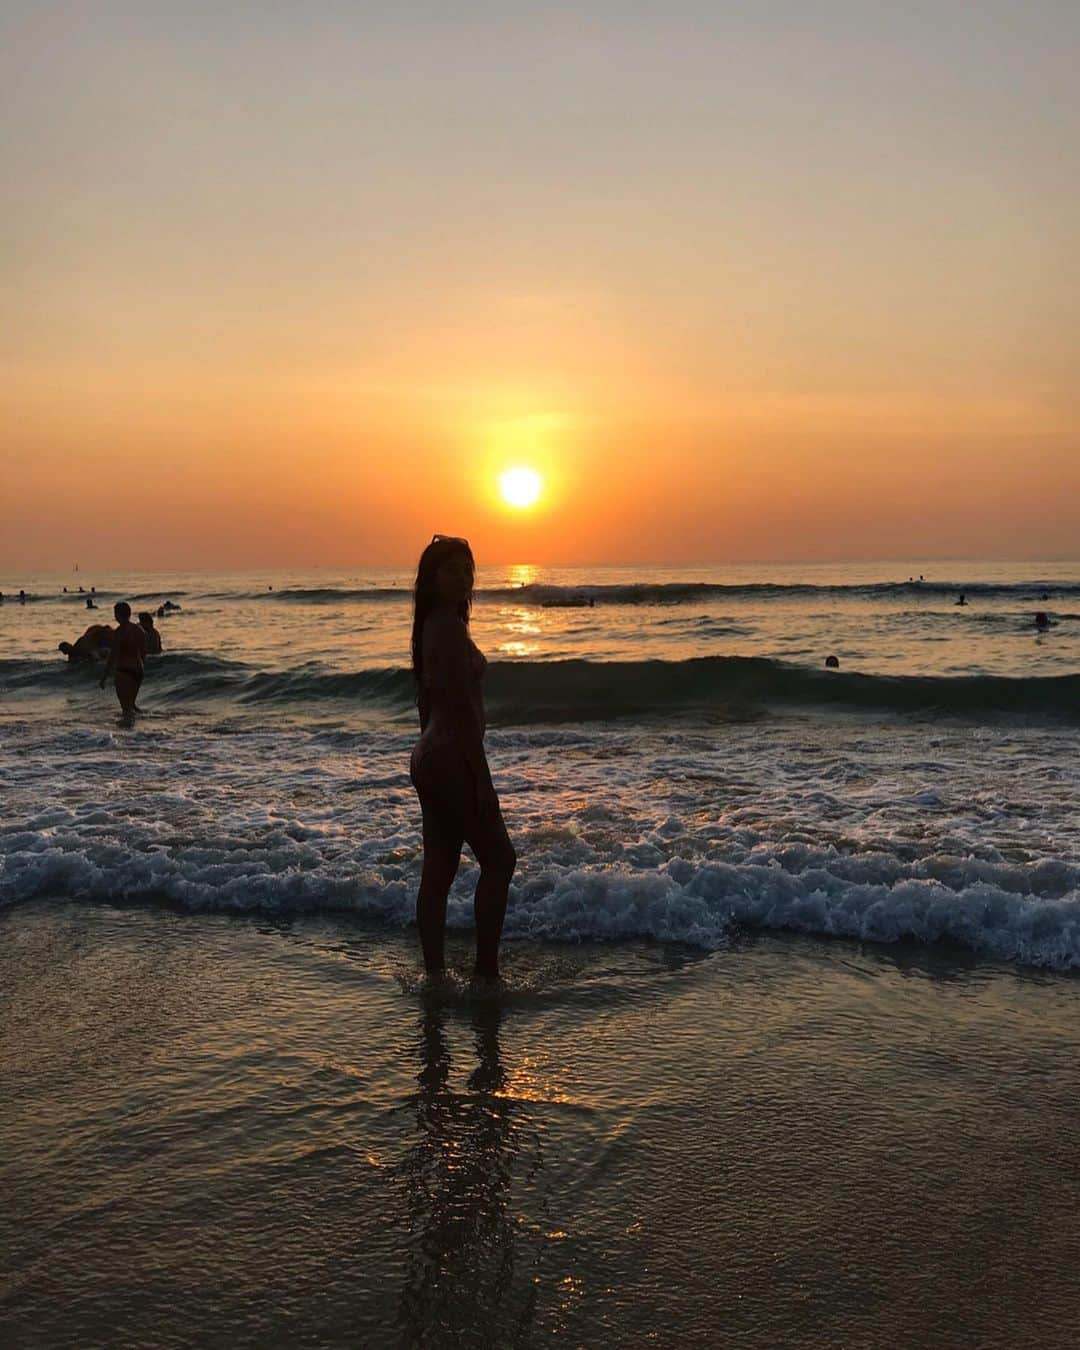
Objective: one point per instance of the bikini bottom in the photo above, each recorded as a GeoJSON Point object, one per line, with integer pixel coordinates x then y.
{"type": "Point", "coordinates": [446, 786]}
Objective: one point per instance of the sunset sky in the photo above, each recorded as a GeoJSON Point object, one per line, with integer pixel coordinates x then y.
{"type": "Point", "coordinates": [293, 284]}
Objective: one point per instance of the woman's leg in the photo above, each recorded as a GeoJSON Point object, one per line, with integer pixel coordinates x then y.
{"type": "Point", "coordinates": [443, 838]}
{"type": "Point", "coordinates": [490, 842]}
{"type": "Point", "coordinates": [447, 791]}
{"type": "Point", "coordinates": [440, 867]}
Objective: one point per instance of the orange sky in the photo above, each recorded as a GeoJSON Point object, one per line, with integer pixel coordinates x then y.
{"type": "Point", "coordinates": [294, 289]}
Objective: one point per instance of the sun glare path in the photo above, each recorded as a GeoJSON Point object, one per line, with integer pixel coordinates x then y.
{"type": "Point", "coordinates": [520, 487]}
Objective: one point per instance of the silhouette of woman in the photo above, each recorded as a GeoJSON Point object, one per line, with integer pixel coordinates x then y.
{"type": "Point", "coordinates": [449, 768]}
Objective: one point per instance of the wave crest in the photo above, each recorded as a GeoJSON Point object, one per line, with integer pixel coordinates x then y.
{"type": "Point", "coordinates": [522, 692]}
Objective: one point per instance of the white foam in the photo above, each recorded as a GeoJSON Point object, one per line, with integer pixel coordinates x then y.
{"type": "Point", "coordinates": [679, 838]}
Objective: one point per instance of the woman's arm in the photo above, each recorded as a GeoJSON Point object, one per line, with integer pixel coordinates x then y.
{"type": "Point", "coordinates": [451, 651]}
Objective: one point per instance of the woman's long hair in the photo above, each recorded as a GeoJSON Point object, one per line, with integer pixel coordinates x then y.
{"type": "Point", "coordinates": [426, 592]}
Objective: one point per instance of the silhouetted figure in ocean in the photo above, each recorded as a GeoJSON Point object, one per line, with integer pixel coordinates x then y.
{"type": "Point", "coordinates": [22, 597]}
{"type": "Point", "coordinates": [90, 602]}
{"type": "Point", "coordinates": [832, 662]}
{"type": "Point", "coordinates": [125, 661]}
{"type": "Point", "coordinates": [153, 637]}
{"type": "Point", "coordinates": [1042, 620]}
{"type": "Point", "coordinates": [97, 638]}
{"type": "Point", "coordinates": [962, 600]}
{"type": "Point", "coordinates": [449, 767]}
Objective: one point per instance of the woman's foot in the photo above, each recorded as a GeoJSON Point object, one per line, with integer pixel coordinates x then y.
{"type": "Point", "coordinates": [486, 981]}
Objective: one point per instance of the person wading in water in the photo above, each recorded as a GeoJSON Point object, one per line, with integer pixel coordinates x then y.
{"type": "Point", "coordinates": [449, 768]}
{"type": "Point", "coordinates": [125, 661]}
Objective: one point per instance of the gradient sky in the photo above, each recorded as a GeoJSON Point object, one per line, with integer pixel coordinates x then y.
{"type": "Point", "coordinates": [290, 284]}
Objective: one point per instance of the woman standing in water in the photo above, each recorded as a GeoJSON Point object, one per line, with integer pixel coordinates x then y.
{"type": "Point", "coordinates": [449, 768]}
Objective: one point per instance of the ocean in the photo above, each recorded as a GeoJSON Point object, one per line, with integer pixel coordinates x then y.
{"type": "Point", "coordinates": [675, 760]}
{"type": "Point", "coordinates": [789, 966]}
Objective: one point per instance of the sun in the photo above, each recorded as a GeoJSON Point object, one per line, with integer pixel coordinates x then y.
{"type": "Point", "coordinates": [520, 487]}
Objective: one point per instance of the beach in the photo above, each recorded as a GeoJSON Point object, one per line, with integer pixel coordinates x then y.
{"type": "Point", "coordinates": [786, 1050]}
{"type": "Point", "coordinates": [225, 1131]}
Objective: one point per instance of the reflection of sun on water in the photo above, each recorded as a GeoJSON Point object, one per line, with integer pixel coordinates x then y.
{"type": "Point", "coordinates": [525, 1083]}
{"type": "Point", "coordinates": [521, 624]}
{"type": "Point", "coordinates": [523, 574]}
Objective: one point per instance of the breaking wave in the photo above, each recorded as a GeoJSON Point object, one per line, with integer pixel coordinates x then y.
{"type": "Point", "coordinates": [522, 692]}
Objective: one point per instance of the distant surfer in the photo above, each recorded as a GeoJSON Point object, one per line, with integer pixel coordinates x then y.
{"type": "Point", "coordinates": [449, 767]}
{"type": "Point", "coordinates": [89, 647]}
{"type": "Point", "coordinates": [153, 637]}
{"type": "Point", "coordinates": [125, 663]}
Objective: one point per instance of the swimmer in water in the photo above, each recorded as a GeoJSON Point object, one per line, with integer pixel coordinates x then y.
{"type": "Point", "coordinates": [1042, 620]}
{"type": "Point", "coordinates": [125, 662]}
{"type": "Point", "coordinates": [962, 600]}
{"type": "Point", "coordinates": [90, 602]}
{"type": "Point", "coordinates": [153, 637]}
{"type": "Point", "coordinates": [88, 647]}
{"type": "Point", "coordinates": [449, 767]}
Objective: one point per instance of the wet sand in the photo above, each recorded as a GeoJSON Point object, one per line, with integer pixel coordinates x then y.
{"type": "Point", "coordinates": [220, 1131]}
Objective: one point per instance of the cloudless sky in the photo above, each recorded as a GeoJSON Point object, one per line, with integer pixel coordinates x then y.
{"type": "Point", "coordinates": [292, 283]}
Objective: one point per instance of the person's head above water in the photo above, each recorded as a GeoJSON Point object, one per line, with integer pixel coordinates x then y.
{"type": "Point", "coordinates": [444, 579]}
{"type": "Point", "coordinates": [122, 610]}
